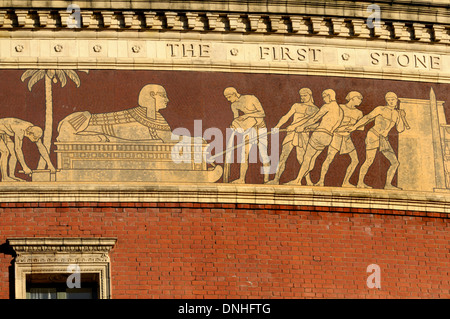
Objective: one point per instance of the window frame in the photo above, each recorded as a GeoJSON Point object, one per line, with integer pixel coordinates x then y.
{"type": "Point", "coordinates": [54, 255]}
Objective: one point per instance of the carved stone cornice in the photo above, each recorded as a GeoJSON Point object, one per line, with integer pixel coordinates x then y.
{"type": "Point", "coordinates": [61, 250]}
{"type": "Point", "coordinates": [228, 194]}
{"type": "Point", "coordinates": [403, 27]}
{"type": "Point", "coordinates": [420, 9]}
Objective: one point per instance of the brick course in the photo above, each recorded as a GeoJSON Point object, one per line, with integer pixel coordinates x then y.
{"type": "Point", "coordinates": [192, 250]}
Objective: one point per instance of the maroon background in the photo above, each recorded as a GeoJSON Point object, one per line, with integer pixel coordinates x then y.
{"type": "Point", "coordinates": [199, 95]}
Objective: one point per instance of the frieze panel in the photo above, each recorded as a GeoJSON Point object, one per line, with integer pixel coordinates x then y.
{"type": "Point", "coordinates": [206, 127]}
{"type": "Point", "coordinates": [298, 98]}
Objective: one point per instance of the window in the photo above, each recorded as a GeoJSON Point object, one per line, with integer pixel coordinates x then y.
{"type": "Point", "coordinates": [54, 286]}
{"type": "Point", "coordinates": [42, 268]}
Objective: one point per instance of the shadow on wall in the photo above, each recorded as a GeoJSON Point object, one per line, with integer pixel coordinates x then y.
{"type": "Point", "coordinates": [8, 250]}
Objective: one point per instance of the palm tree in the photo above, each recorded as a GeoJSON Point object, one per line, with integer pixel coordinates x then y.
{"type": "Point", "coordinates": [50, 76]}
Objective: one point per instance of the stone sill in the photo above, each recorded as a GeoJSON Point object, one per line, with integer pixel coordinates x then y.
{"type": "Point", "coordinates": [227, 194]}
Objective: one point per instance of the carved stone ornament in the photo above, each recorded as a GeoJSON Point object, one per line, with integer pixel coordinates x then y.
{"type": "Point", "coordinates": [234, 52]}
{"type": "Point", "coordinates": [19, 48]}
{"type": "Point", "coordinates": [58, 48]}
{"type": "Point", "coordinates": [345, 56]}
{"type": "Point", "coordinates": [97, 48]}
{"type": "Point", "coordinates": [136, 49]}
{"type": "Point", "coordinates": [55, 256]}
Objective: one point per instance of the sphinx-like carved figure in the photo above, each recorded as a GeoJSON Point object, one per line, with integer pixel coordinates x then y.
{"type": "Point", "coordinates": [142, 123]}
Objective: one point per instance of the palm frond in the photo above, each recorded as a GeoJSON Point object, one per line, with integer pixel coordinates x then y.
{"type": "Point", "coordinates": [35, 78]}
{"type": "Point", "coordinates": [73, 76]}
{"type": "Point", "coordinates": [51, 74]}
{"type": "Point", "coordinates": [27, 74]}
{"type": "Point", "coordinates": [62, 77]}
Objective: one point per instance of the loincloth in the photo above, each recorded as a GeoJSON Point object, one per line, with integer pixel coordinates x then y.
{"type": "Point", "coordinates": [375, 140]}
{"type": "Point", "coordinates": [254, 135]}
{"type": "Point", "coordinates": [320, 139]}
{"type": "Point", "coordinates": [342, 143]}
{"type": "Point", "coordinates": [297, 139]}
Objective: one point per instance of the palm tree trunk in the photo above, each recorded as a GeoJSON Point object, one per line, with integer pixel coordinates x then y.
{"type": "Point", "coordinates": [47, 139]}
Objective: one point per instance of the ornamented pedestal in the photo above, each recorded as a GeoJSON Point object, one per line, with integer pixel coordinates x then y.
{"type": "Point", "coordinates": [133, 162]}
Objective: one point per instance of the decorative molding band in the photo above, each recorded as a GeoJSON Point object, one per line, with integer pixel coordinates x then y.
{"type": "Point", "coordinates": [230, 53]}
{"type": "Point", "coordinates": [61, 250]}
{"type": "Point", "coordinates": [62, 258]}
{"type": "Point", "coordinates": [50, 245]}
{"type": "Point", "coordinates": [322, 25]}
{"type": "Point", "coordinates": [430, 11]}
{"type": "Point", "coordinates": [436, 202]}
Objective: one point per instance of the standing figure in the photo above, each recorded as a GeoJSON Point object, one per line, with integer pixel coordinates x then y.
{"type": "Point", "coordinates": [342, 141]}
{"type": "Point", "coordinates": [12, 150]}
{"type": "Point", "coordinates": [249, 120]}
{"type": "Point", "coordinates": [299, 112]}
{"type": "Point", "coordinates": [385, 118]}
{"type": "Point", "coordinates": [330, 116]}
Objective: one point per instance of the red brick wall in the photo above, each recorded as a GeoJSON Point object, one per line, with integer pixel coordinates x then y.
{"type": "Point", "coordinates": [248, 251]}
